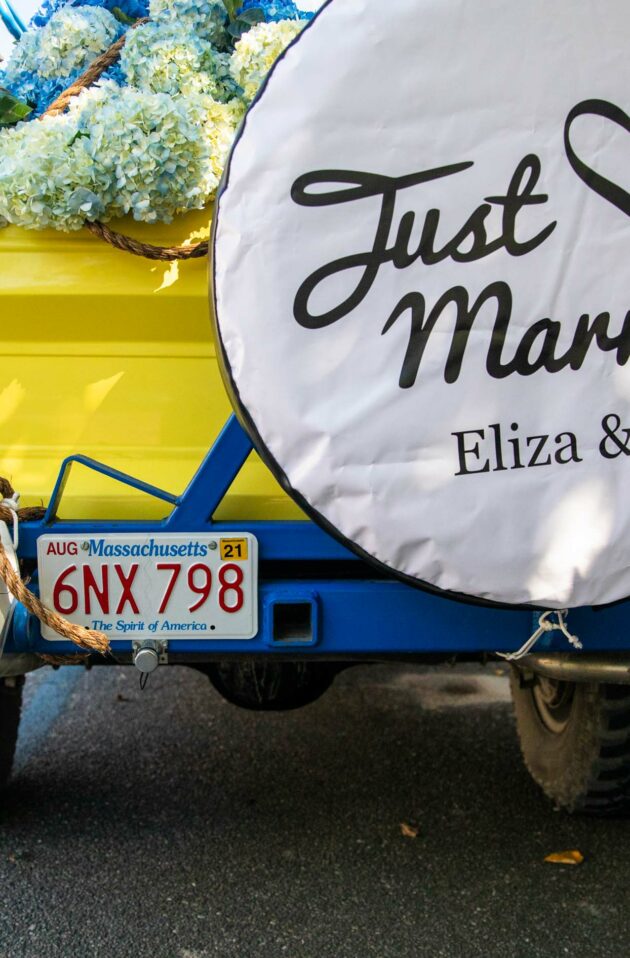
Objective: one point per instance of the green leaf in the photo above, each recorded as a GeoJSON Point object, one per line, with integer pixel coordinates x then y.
{"type": "Point", "coordinates": [252, 16]}
{"type": "Point", "coordinates": [122, 16]}
{"type": "Point", "coordinates": [245, 21]}
{"type": "Point", "coordinates": [232, 6]}
{"type": "Point", "coordinates": [12, 110]}
{"type": "Point", "coordinates": [79, 135]}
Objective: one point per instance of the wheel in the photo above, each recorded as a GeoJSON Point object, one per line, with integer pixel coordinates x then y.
{"type": "Point", "coordinates": [10, 708]}
{"type": "Point", "coordinates": [575, 739]}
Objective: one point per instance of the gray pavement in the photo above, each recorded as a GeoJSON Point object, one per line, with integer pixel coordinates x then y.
{"type": "Point", "coordinates": [168, 824]}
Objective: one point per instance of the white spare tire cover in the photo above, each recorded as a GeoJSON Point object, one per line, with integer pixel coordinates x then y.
{"type": "Point", "coordinates": [421, 264]}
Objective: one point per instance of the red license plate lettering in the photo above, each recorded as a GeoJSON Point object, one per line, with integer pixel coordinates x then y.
{"type": "Point", "coordinates": [165, 585]}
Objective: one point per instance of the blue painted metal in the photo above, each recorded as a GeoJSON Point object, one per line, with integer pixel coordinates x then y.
{"type": "Point", "coordinates": [277, 540]}
{"type": "Point", "coordinates": [17, 19]}
{"type": "Point", "coordinates": [298, 593]}
{"type": "Point", "coordinates": [195, 507]}
{"type": "Point", "coordinates": [193, 510]}
{"type": "Point", "coordinates": [11, 19]}
{"type": "Point", "coordinates": [372, 617]}
{"type": "Point", "coordinates": [212, 480]}
{"type": "Point", "coordinates": [104, 470]}
{"type": "Point", "coordinates": [351, 617]}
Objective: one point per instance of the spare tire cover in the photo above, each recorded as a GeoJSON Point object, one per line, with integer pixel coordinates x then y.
{"type": "Point", "coordinates": [421, 261]}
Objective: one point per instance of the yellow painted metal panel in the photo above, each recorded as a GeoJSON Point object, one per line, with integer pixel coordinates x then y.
{"type": "Point", "coordinates": [111, 355]}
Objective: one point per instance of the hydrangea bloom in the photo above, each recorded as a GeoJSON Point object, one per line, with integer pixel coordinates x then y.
{"type": "Point", "coordinates": [131, 8]}
{"type": "Point", "coordinates": [124, 151]}
{"type": "Point", "coordinates": [218, 122]}
{"type": "Point", "coordinates": [150, 150]}
{"type": "Point", "coordinates": [36, 189]}
{"type": "Point", "coordinates": [167, 58]}
{"type": "Point", "coordinates": [205, 18]}
{"type": "Point", "coordinates": [276, 10]}
{"type": "Point", "coordinates": [39, 93]}
{"type": "Point", "coordinates": [24, 55]}
{"type": "Point", "coordinates": [258, 49]}
{"type": "Point", "coordinates": [46, 61]}
{"type": "Point", "coordinates": [71, 39]}
{"type": "Point", "coordinates": [152, 137]}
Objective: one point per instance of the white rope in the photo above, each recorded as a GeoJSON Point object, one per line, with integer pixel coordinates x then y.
{"type": "Point", "coordinates": [12, 503]}
{"type": "Point", "coordinates": [544, 625]}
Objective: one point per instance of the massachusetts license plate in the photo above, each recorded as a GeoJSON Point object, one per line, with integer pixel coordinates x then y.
{"type": "Point", "coordinates": [165, 586]}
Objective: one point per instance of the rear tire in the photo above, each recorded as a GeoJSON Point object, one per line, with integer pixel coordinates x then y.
{"type": "Point", "coordinates": [575, 739]}
{"type": "Point", "coordinates": [10, 709]}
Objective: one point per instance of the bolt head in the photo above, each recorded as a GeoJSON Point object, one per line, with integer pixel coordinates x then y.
{"type": "Point", "coordinates": [146, 660]}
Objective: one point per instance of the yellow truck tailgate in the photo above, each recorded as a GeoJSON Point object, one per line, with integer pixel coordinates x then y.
{"type": "Point", "coordinates": [111, 355]}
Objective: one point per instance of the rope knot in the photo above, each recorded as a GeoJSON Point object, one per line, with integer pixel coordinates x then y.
{"type": "Point", "coordinates": [86, 639]}
{"type": "Point", "coordinates": [12, 503]}
{"type": "Point", "coordinates": [545, 624]}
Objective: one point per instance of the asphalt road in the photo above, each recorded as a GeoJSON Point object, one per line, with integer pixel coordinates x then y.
{"type": "Point", "coordinates": [168, 824]}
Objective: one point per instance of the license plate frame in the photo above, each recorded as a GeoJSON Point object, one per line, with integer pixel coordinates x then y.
{"type": "Point", "coordinates": [107, 596]}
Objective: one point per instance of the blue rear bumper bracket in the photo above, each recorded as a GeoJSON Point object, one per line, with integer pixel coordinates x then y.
{"type": "Point", "coordinates": [331, 615]}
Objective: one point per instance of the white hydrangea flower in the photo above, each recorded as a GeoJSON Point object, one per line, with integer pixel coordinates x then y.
{"type": "Point", "coordinates": [206, 18]}
{"type": "Point", "coordinates": [115, 151]}
{"type": "Point", "coordinates": [153, 149]}
{"type": "Point", "coordinates": [168, 58]}
{"type": "Point", "coordinates": [258, 49]}
{"type": "Point", "coordinates": [42, 166]}
{"type": "Point", "coordinates": [72, 38]}
{"type": "Point", "coordinates": [219, 123]}
{"type": "Point", "coordinates": [23, 58]}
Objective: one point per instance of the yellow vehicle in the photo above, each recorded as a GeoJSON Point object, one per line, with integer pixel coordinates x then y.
{"type": "Point", "coordinates": [167, 540]}
{"type": "Point", "coordinates": [111, 355]}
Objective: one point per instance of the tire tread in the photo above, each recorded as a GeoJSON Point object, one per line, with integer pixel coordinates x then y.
{"type": "Point", "coordinates": [587, 767]}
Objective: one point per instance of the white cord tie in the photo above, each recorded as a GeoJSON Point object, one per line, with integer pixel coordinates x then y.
{"type": "Point", "coordinates": [13, 504]}
{"type": "Point", "coordinates": [545, 625]}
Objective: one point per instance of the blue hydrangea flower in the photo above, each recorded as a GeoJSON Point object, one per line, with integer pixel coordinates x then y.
{"type": "Point", "coordinates": [47, 60]}
{"type": "Point", "coordinates": [207, 18]}
{"type": "Point", "coordinates": [115, 73]}
{"type": "Point", "coordinates": [131, 8]}
{"type": "Point", "coordinates": [276, 10]}
{"type": "Point", "coordinates": [40, 93]}
{"type": "Point", "coordinates": [151, 138]}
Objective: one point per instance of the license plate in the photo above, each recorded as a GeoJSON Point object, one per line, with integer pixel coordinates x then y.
{"type": "Point", "coordinates": [165, 586]}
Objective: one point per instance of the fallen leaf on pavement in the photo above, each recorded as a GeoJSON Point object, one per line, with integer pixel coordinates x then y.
{"type": "Point", "coordinates": [408, 830]}
{"type": "Point", "coordinates": [573, 857]}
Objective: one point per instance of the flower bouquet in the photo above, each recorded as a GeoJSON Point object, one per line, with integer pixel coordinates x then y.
{"type": "Point", "coordinates": [161, 87]}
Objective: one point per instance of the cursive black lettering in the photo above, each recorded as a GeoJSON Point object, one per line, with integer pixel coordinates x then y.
{"type": "Point", "coordinates": [362, 186]}
{"type": "Point", "coordinates": [470, 242]}
{"type": "Point", "coordinates": [421, 329]}
{"type": "Point", "coordinates": [520, 193]}
{"type": "Point", "coordinates": [608, 190]}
